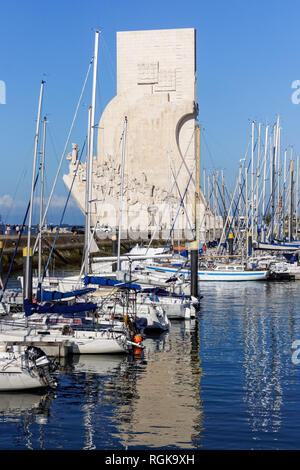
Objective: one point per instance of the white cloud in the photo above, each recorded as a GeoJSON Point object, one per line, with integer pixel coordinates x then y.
{"type": "Point", "coordinates": [57, 202]}
{"type": "Point", "coordinates": [7, 202]}
{"type": "Point", "coordinates": [14, 210]}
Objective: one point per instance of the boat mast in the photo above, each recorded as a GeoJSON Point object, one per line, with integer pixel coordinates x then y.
{"type": "Point", "coordinates": [87, 199]}
{"type": "Point", "coordinates": [36, 140]}
{"type": "Point", "coordinates": [297, 197]}
{"type": "Point", "coordinates": [252, 177]}
{"type": "Point", "coordinates": [208, 206]}
{"type": "Point", "coordinates": [42, 201]}
{"type": "Point", "coordinates": [246, 216]}
{"type": "Point", "coordinates": [291, 196]}
{"type": "Point", "coordinates": [121, 191]}
{"type": "Point", "coordinates": [278, 177]}
{"type": "Point", "coordinates": [264, 182]}
{"type": "Point", "coordinates": [197, 189]}
{"type": "Point", "coordinates": [284, 194]}
{"type": "Point", "coordinates": [89, 163]}
{"type": "Point", "coordinates": [273, 182]}
{"type": "Point", "coordinates": [215, 175]}
{"type": "Point", "coordinates": [257, 183]}
{"type": "Point", "coordinates": [223, 198]}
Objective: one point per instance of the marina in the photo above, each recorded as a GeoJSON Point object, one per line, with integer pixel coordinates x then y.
{"type": "Point", "coordinates": [160, 310]}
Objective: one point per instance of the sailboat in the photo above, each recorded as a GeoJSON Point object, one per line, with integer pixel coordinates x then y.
{"type": "Point", "coordinates": [24, 368]}
{"type": "Point", "coordinates": [219, 273]}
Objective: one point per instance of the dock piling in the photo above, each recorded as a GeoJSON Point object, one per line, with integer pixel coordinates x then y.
{"type": "Point", "coordinates": [194, 268]}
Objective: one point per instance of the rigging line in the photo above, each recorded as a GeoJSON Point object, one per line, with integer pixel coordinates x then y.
{"type": "Point", "coordinates": [17, 244]}
{"type": "Point", "coordinates": [171, 190]}
{"type": "Point", "coordinates": [183, 157]}
{"type": "Point", "coordinates": [221, 202]}
{"type": "Point", "coordinates": [233, 216]}
{"type": "Point", "coordinates": [106, 186]}
{"type": "Point", "coordinates": [207, 208]}
{"type": "Point", "coordinates": [172, 228]}
{"type": "Point", "coordinates": [209, 152]}
{"type": "Point", "coordinates": [229, 210]}
{"type": "Point", "coordinates": [63, 213]}
{"type": "Point", "coordinates": [100, 100]}
{"type": "Point", "coordinates": [64, 151]}
{"type": "Point", "coordinates": [86, 249]}
{"type": "Point", "coordinates": [113, 73]}
{"type": "Point", "coordinates": [188, 219]}
{"type": "Point", "coordinates": [49, 130]}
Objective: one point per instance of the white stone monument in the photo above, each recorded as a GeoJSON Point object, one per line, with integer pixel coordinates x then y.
{"type": "Point", "coordinates": [156, 91]}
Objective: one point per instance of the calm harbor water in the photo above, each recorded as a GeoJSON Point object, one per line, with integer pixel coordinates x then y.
{"type": "Point", "coordinates": [223, 381]}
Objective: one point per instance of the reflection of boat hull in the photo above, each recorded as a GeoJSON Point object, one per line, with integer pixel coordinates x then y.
{"type": "Point", "coordinates": [216, 275]}
{"type": "Point", "coordinates": [15, 403]}
{"type": "Point", "coordinates": [98, 364]}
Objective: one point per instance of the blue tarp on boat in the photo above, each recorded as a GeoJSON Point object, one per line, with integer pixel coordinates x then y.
{"type": "Point", "coordinates": [106, 281]}
{"type": "Point", "coordinates": [291, 257]}
{"type": "Point", "coordinates": [57, 307]}
{"type": "Point", "coordinates": [55, 295]}
{"type": "Point", "coordinates": [158, 291]}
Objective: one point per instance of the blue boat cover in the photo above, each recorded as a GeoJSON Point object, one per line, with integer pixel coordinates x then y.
{"type": "Point", "coordinates": [158, 291]}
{"type": "Point", "coordinates": [106, 281]}
{"type": "Point", "coordinates": [55, 295]}
{"type": "Point", "coordinates": [291, 257]}
{"type": "Point", "coordinates": [57, 307]}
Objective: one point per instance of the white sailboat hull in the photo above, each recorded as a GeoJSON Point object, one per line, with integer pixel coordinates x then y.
{"type": "Point", "coordinates": [233, 276]}
{"type": "Point", "coordinates": [277, 247]}
{"type": "Point", "coordinates": [175, 308]}
{"type": "Point", "coordinates": [81, 342]}
{"type": "Point", "coordinates": [100, 345]}
{"type": "Point", "coordinates": [19, 373]}
{"type": "Point", "coordinates": [215, 275]}
{"type": "Point", "coordinates": [18, 380]}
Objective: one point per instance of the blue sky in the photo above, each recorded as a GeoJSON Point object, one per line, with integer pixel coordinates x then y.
{"type": "Point", "coordinates": [247, 58]}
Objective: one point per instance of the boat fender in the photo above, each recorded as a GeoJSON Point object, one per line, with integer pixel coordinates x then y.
{"type": "Point", "coordinates": [137, 351]}
{"type": "Point", "coordinates": [137, 338]}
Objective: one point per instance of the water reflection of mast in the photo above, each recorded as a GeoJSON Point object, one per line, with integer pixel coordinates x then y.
{"type": "Point", "coordinates": [88, 408]}
{"type": "Point", "coordinates": [263, 367]}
